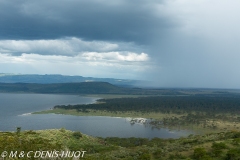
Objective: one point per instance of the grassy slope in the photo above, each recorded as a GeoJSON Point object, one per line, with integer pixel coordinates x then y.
{"type": "Point", "coordinates": [154, 115]}
{"type": "Point", "coordinates": [225, 145]}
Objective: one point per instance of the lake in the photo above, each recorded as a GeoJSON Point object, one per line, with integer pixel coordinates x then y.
{"type": "Point", "coordinates": [15, 109]}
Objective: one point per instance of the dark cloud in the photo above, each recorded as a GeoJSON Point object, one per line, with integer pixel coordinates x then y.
{"type": "Point", "coordinates": [123, 20]}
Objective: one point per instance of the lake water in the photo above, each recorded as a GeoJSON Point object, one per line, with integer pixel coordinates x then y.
{"type": "Point", "coordinates": [14, 109]}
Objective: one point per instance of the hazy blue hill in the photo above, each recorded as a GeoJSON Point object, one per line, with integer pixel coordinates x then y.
{"type": "Point", "coordinates": [81, 88]}
{"type": "Point", "coordinates": [84, 87]}
{"type": "Point", "coordinates": [54, 78]}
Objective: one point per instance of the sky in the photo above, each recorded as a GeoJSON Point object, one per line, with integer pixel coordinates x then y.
{"type": "Point", "coordinates": [172, 43]}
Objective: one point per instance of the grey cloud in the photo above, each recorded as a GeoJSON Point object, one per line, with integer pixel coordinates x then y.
{"type": "Point", "coordinates": [128, 21]}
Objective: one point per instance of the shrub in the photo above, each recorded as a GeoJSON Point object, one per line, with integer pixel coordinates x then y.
{"type": "Point", "coordinates": [219, 146]}
{"type": "Point", "coordinates": [199, 153]}
{"type": "Point", "coordinates": [18, 130]}
{"type": "Point", "coordinates": [233, 154]}
{"type": "Point", "coordinates": [77, 135]}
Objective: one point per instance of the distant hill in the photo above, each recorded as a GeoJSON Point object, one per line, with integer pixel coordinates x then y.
{"type": "Point", "coordinates": [81, 88]}
{"type": "Point", "coordinates": [55, 78]}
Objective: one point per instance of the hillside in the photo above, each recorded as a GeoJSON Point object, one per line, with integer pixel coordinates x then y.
{"type": "Point", "coordinates": [55, 78]}
{"type": "Point", "coordinates": [81, 88]}
{"type": "Point", "coordinates": [84, 87]}
{"type": "Point", "coordinates": [58, 142]}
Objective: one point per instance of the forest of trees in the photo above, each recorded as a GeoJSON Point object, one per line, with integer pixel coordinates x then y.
{"type": "Point", "coordinates": [200, 110]}
{"type": "Point", "coordinates": [166, 104]}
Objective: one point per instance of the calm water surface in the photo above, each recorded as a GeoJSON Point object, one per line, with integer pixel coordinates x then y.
{"type": "Point", "coordinates": [14, 109]}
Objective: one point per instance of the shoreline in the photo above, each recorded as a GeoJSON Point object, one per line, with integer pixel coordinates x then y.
{"type": "Point", "coordinates": [160, 120]}
{"type": "Point", "coordinates": [222, 126]}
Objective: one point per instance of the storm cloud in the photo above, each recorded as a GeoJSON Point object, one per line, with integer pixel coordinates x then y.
{"type": "Point", "coordinates": [174, 43]}
{"type": "Point", "coordinates": [120, 20]}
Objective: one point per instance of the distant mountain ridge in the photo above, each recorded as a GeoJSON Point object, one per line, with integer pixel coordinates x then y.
{"type": "Point", "coordinates": [79, 88]}
{"type": "Point", "coordinates": [82, 87]}
{"type": "Point", "coordinates": [55, 78]}
{"type": "Point", "coordinates": [103, 88]}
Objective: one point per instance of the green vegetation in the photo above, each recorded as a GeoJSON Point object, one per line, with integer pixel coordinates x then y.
{"type": "Point", "coordinates": [165, 104]}
{"type": "Point", "coordinates": [215, 146]}
{"type": "Point", "coordinates": [48, 140]}
{"type": "Point", "coordinates": [199, 112]}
